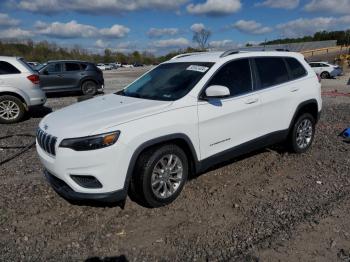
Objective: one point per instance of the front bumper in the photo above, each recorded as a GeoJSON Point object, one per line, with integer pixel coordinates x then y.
{"type": "Point", "coordinates": [68, 193]}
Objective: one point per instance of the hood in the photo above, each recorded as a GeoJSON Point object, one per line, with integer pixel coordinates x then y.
{"type": "Point", "coordinates": [103, 112]}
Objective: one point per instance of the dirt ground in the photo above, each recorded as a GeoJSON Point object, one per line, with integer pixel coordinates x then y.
{"type": "Point", "coordinates": [266, 206]}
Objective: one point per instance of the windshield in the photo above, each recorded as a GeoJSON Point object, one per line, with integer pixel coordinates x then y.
{"type": "Point", "coordinates": [167, 82]}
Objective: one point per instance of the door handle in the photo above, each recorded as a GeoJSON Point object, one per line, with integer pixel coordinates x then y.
{"type": "Point", "coordinates": [251, 101]}
{"type": "Point", "coordinates": [60, 75]}
{"type": "Point", "coordinates": [294, 89]}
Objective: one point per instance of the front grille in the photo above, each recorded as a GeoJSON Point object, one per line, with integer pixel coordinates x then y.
{"type": "Point", "coordinates": [46, 142]}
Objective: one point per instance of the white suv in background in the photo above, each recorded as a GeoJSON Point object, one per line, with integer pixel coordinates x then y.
{"type": "Point", "coordinates": [182, 117]}
{"type": "Point", "coordinates": [19, 89]}
{"type": "Point", "coordinates": [326, 70]}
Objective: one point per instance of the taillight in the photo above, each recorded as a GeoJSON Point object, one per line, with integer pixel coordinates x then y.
{"type": "Point", "coordinates": [35, 79]}
{"type": "Point", "coordinates": [319, 78]}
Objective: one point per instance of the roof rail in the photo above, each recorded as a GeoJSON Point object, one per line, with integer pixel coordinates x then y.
{"type": "Point", "coordinates": [251, 49]}
{"type": "Point", "coordinates": [186, 54]}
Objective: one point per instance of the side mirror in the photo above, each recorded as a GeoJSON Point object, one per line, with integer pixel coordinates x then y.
{"type": "Point", "coordinates": [217, 91]}
{"type": "Point", "coordinates": [45, 72]}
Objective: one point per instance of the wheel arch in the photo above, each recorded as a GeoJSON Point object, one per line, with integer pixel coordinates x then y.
{"type": "Point", "coordinates": [20, 97]}
{"type": "Point", "coordinates": [309, 106]}
{"type": "Point", "coordinates": [182, 140]}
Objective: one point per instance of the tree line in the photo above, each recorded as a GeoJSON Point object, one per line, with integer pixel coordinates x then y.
{"type": "Point", "coordinates": [342, 37]}
{"type": "Point", "coordinates": [44, 51]}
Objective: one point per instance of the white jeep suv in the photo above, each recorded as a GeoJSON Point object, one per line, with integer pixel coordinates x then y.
{"type": "Point", "coordinates": [180, 118]}
{"type": "Point", "coordinates": [19, 89]}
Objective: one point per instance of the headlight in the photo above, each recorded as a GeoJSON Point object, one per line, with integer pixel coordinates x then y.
{"type": "Point", "coordinates": [91, 142]}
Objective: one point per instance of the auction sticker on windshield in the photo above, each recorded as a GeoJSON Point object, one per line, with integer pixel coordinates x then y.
{"type": "Point", "coordinates": [197, 68]}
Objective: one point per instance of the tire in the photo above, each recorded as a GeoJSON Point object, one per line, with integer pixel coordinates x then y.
{"type": "Point", "coordinates": [302, 134]}
{"type": "Point", "coordinates": [89, 88]}
{"type": "Point", "coordinates": [12, 109]}
{"type": "Point", "coordinates": [325, 75]}
{"type": "Point", "coordinates": [148, 171]}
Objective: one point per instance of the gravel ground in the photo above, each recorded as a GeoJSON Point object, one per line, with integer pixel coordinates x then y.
{"type": "Point", "coordinates": [266, 206]}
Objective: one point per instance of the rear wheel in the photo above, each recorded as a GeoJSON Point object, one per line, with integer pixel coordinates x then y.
{"type": "Point", "coordinates": [89, 88]}
{"type": "Point", "coordinates": [325, 75]}
{"type": "Point", "coordinates": [160, 175]}
{"type": "Point", "coordinates": [302, 134]}
{"type": "Point", "coordinates": [12, 109]}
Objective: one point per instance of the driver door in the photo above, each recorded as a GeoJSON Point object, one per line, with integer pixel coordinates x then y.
{"type": "Point", "coordinates": [51, 77]}
{"type": "Point", "coordinates": [229, 122]}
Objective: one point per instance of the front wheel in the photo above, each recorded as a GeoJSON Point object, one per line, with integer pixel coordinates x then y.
{"type": "Point", "coordinates": [160, 175]}
{"type": "Point", "coordinates": [302, 134]}
{"type": "Point", "coordinates": [12, 109]}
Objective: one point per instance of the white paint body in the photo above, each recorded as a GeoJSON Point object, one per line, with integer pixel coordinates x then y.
{"type": "Point", "coordinates": [235, 120]}
{"type": "Point", "coordinates": [20, 85]}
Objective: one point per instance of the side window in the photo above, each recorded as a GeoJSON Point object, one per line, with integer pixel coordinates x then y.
{"type": "Point", "coordinates": [272, 71]}
{"type": "Point", "coordinates": [236, 76]}
{"type": "Point", "coordinates": [297, 70]}
{"type": "Point", "coordinates": [54, 68]}
{"type": "Point", "coordinates": [72, 67]}
{"type": "Point", "coordinates": [8, 69]}
{"type": "Point", "coordinates": [324, 65]}
{"type": "Point", "coordinates": [83, 66]}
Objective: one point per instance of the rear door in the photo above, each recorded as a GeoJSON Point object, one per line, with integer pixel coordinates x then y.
{"type": "Point", "coordinates": [277, 92]}
{"type": "Point", "coordinates": [72, 73]}
{"type": "Point", "coordinates": [229, 122]}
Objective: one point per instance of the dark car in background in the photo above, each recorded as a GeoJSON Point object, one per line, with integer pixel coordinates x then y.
{"type": "Point", "coordinates": [62, 76]}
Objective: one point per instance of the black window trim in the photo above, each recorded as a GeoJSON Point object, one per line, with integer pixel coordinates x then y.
{"type": "Point", "coordinates": [201, 94]}
{"type": "Point", "coordinates": [257, 88]}
{"type": "Point", "coordinates": [17, 70]}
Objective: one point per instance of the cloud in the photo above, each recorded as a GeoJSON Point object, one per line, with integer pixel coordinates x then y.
{"type": "Point", "coordinates": [222, 44]}
{"type": "Point", "coordinates": [159, 32]}
{"type": "Point", "coordinates": [215, 7]}
{"type": "Point", "coordinates": [283, 4]}
{"type": "Point", "coordinates": [171, 43]}
{"type": "Point", "coordinates": [73, 29]}
{"type": "Point", "coordinates": [6, 20]}
{"type": "Point", "coordinates": [329, 6]}
{"type": "Point", "coordinates": [94, 7]}
{"type": "Point", "coordinates": [302, 26]}
{"type": "Point", "coordinates": [101, 44]}
{"type": "Point", "coordinates": [116, 31]}
{"type": "Point", "coordinates": [197, 27]}
{"type": "Point", "coordinates": [15, 33]}
{"type": "Point", "coordinates": [251, 27]}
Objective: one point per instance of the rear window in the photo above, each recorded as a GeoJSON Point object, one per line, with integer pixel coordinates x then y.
{"type": "Point", "coordinates": [297, 70]}
{"type": "Point", "coordinates": [8, 69]}
{"type": "Point", "coordinates": [272, 71]}
{"type": "Point", "coordinates": [83, 66]}
{"type": "Point", "coordinates": [72, 67]}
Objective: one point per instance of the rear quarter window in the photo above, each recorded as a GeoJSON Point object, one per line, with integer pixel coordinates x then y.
{"type": "Point", "coordinates": [297, 70]}
{"type": "Point", "coordinates": [8, 69]}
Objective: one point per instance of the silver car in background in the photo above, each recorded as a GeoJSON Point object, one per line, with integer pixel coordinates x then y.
{"type": "Point", "coordinates": [19, 89]}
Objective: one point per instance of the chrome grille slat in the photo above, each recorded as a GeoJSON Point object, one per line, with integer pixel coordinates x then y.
{"type": "Point", "coordinates": [46, 142]}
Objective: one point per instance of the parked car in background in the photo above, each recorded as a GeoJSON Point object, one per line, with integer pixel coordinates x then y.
{"type": "Point", "coordinates": [19, 89]}
{"type": "Point", "coordinates": [181, 118]}
{"type": "Point", "coordinates": [127, 66]}
{"type": "Point", "coordinates": [326, 70]}
{"type": "Point", "coordinates": [34, 65]}
{"type": "Point", "coordinates": [101, 66]}
{"type": "Point", "coordinates": [138, 65]}
{"type": "Point", "coordinates": [108, 67]}
{"type": "Point", "coordinates": [71, 75]}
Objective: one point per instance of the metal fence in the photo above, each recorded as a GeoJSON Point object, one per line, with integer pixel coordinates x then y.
{"type": "Point", "coordinates": [305, 46]}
